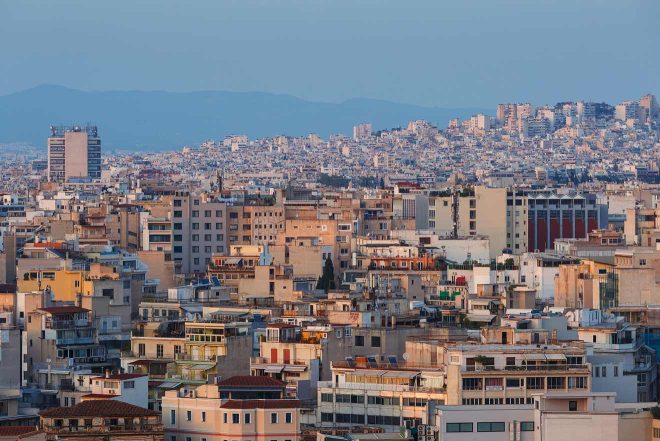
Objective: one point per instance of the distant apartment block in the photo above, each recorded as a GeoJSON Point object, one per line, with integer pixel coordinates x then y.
{"type": "Point", "coordinates": [74, 152]}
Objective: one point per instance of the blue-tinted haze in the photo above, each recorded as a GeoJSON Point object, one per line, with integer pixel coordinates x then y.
{"type": "Point", "coordinates": [424, 52]}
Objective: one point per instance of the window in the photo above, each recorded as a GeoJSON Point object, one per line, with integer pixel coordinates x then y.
{"type": "Point", "coordinates": [356, 399]}
{"type": "Point", "coordinates": [490, 427]}
{"type": "Point", "coordinates": [224, 418]}
{"type": "Point", "coordinates": [577, 382]}
{"type": "Point", "coordinates": [535, 383]}
{"type": "Point", "coordinates": [195, 213]}
{"type": "Point", "coordinates": [527, 426]}
{"type": "Point", "coordinates": [514, 382]}
{"type": "Point", "coordinates": [235, 418]}
{"type": "Point", "coordinates": [159, 351]}
{"type": "Point", "coordinates": [189, 415]}
{"type": "Point", "coordinates": [555, 382]}
{"type": "Point", "coordinates": [172, 416]}
{"type": "Point", "coordinates": [459, 427]}
{"type": "Point", "coordinates": [472, 384]}
{"type": "Point", "coordinates": [273, 418]}
{"type": "Point", "coordinates": [375, 342]}
{"type": "Point", "coordinates": [603, 371]}
{"type": "Point", "coordinates": [572, 406]}
{"type": "Point", "coordinates": [327, 417]}
{"type": "Point", "coordinates": [203, 416]}
{"type": "Point", "coordinates": [288, 417]}
{"type": "Point", "coordinates": [359, 340]}
{"type": "Point", "coordinates": [616, 371]}
{"type": "Point", "coordinates": [247, 418]}
{"type": "Point", "coordinates": [326, 398]}
{"type": "Point", "coordinates": [129, 384]}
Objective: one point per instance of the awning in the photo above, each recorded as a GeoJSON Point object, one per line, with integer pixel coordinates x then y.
{"type": "Point", "coordinates": [553, 357]}
{"type": "Point", "coordinates": [295, 368]}
{"type": "Point", "coordinates": [199, 367]}
{"type": "Point", "coordinates": [146, 362]}
{"type": "Point", "coordinates": [232, 261]}
{"type": "Point", "coordinates": [484, 318]}
{"type": "Point", "coordinates": [274, 369]}
{"type": "Point", "coordinates": [169, 385]}
{"type": "Point", "coordinates": [535, 357]}
{"type": "Point", "coordinates": [192, 308]}
{"type": "Point", "coordinates": [401, 374]}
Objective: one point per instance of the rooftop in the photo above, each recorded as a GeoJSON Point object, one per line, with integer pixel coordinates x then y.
{"type": "Point", "coordinates": [98, 408]}
{"type": "Point", "coordinates": [250, 381]}
{"type": "Point", "coordinates": [261, 404]}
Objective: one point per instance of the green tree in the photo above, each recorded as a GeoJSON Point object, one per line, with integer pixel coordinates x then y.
{"type": "Point", "coordinates": [327, 280]}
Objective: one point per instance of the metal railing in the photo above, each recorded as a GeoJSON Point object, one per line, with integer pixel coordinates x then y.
{"type": "Point", "coordinates": [530, 367]}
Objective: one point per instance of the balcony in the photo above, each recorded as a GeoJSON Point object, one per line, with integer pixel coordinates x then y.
{"type": "Point", "coordinates": [260, 363]}
{"type": "Point", "coordinates": [67, 324]}
{"type": "Point", "coordinates": [526, 368]}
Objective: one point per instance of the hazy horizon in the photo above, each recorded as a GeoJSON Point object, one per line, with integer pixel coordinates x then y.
{"type": "Point", "coordinates": [421, 52]}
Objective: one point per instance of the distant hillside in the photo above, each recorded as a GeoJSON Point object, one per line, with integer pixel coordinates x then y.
{"type": "Point", "coordinates": [137, 120]}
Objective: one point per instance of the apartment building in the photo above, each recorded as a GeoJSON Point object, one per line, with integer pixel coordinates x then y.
{"type": "Point", "coordinates": [95, 419]}
{"type": "Point", "coordinates": [387, 395]}
{"type": "Point", "coordinates": [495, 374]}
{"type": "Point", "coordinates": [74, 152]}
{"type": "Point", "coordinates": [127, 388]}
{"type": "Point", "coordinates": [60, 340]}
{"type": "Point", "coordinates": [292, 356]}
{"type": "Point", "coordinates": [243, 408]}
{"type": "Point", "coordinates": [199, 229]}
{"type": "Point", "coordinates": [550, 415]}
{"type": "Point", "coordinates": [481, 211]}
{"type": "Point", "coordinates": [621, 362]}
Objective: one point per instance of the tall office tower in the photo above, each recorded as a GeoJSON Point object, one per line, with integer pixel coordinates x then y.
{"type": "Point", "coordinates": [74, 152]}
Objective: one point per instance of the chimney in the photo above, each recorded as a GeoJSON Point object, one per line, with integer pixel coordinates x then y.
{"type": "Point", "coordinates": [107, 373]}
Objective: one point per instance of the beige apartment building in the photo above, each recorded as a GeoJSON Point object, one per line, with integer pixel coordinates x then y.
{"type": "Point", "coordinates": [74, 152]}
{"type": "Point", "coordinates": [482, 211]}
{"type": "Point", "coordinates": [207, 413]}
{"type": "Point", "coordinates": [494, 374]}
{"type": "Point", "coordinates": [382, 394]}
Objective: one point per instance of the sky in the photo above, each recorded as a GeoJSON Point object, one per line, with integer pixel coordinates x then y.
{"type": "Point", "coordinates": [447, 53]}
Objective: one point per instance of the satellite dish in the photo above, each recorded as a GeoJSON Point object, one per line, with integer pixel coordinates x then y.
{"type": "Point", "coordinates": [405, 356]}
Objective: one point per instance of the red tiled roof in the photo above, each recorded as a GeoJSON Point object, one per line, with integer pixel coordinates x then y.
{"type": "Point", "coordinates": [261, 404]}
{"type": "Point", "coordinates": [98, 408]}
{"type": "Point", "coordinates": [16, 430]}
{"type": "Point", "coordinates": [119, 376]}
{"type": "Point", "coordinates": [250, 381]}
{"type": "Point", "coordinates": [63, 309]}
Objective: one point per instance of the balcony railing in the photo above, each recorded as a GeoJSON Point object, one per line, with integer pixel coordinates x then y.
{"type": "Point", "coordinates": [530, 367]}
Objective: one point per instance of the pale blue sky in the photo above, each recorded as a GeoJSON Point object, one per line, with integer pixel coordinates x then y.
{"type": "Point", "coordinates": [430, 52]}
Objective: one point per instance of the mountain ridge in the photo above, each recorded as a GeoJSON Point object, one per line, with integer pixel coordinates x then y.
{"type": "Point", "coordinates": [159, 120]}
